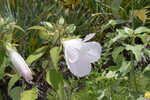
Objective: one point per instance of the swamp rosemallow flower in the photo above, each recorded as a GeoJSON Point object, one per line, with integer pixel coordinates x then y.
{"type": "Point", "coordinates": [80, 54]}
{"type": "Point", "coordinates": [19, 63]}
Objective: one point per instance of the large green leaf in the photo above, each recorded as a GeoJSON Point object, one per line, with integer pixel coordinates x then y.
{"type": "Point", "coordinates": [125, 67]}
{"type": "Point", "coordinates": [54, 53]}
{"type": "Point", "coordinates": [36, 55]}
{"type": "Point", "coordinates": [15, 93]}
{"type": "Point", "coordinates": [137, 50]}
{"type": "Point", "coordinates": [116, 52]}
{"type": "Point", "coordinates": [30, 94]}
{"type": "Point", "coordinates": [54, 78]}
{"type": "Point", "coordinates": [142, 29]}
{"type": "Point", "coordinates": [12, 81]}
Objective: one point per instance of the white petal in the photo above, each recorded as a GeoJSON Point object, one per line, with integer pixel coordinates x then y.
{"type": "Point", "coordinates": [74, 43]}
{"type": "Point", "coordinates": [88, 37]}
{"type": "Point", "coordinates": [92, 51]}
{"type": "Point", "coordinates": [72, 54]}
{"type": "Point", "coordinates": [80, 68]}
{"type": "Point", "coordinates": [72, 48]}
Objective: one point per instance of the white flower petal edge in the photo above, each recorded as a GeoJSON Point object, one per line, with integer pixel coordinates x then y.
{"type": "Point", "coordinates": [80, 54]}
{"type": "Point", "coordinates": [88, 37]}
{"type": "Point", "coordinates": [19, 64]}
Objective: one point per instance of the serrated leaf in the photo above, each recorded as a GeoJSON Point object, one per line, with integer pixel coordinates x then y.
{"type": "Point", "coordinates": [54, 53]}
{"type": "Point", "coordinates": [30, 94]}
{"type": "Point", "coordinates": [54, 78]}
{"type": "Point", "coordinates": [36, 55]}
{"type": "Point", "coordinates": [116, 52]}
{"type": "Point", "coordinates": [137, 50]}
{"type": "Point", "coordinates": [70, 29]}
{"type": "Point", "coordinates": [141, 14]}
{"type": "Point", "coordinates": [142, 29]}
{"type": "Point", "coordinates": [12, 81]}
{"type": "Point", "coordinates": [37, 28]}
{"type": "Point", "coordinates": [15, 93]}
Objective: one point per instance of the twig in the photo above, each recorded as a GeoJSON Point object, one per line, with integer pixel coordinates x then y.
{"type": "Point", "coordinates": [41, 75]}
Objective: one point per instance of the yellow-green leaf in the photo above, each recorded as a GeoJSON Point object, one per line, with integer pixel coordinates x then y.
{"type": "Point", "coordinates": [30, 94]}
{"type": "Point", "coordinates": [141, 14]}
{"type": "Point", "coordinates": [36, 55]}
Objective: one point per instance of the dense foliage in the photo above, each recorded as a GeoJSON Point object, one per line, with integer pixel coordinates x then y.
{"type": "Point", "coordinates": [37, 29]}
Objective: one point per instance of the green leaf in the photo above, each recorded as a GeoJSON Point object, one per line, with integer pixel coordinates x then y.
{"type": "Point", "coordinates": [12, 81]}
{"type": "Point", "coordinates": [111, 74]}
{"type": "Point", "coordinates": [61, 91]}
{"type": "Point", "coordinates": [3, 63]}
{"type": "Point", "coordinates": [129, 31]}
{"type": "Point", "coordinates": [61, 21]}
{"type": "Point", "coordinates": [147, 52]}
{"type": "Point", "coordinates": [70, 29]}
{"type": "Point", "coordinates": [15, 93]}
{"type": "Point", "coordinates": [49, 26]}
{"type": "Point", "coordinates": [146, 72]}
{"type": "Point", "coordinates": [125, 67]}
{"type": "Point", "coordinates": [36, 55]}
{"type": "Point", "coordinates": [113, 68]}
{"type": "Point", "coordinates": [121, 35]}
{"type": "Point", "coordinates": [115, 22]}
{"type": "Point", "coordinates": [30, 94]}
{"type": "Point", "coordinates": [137, 49]}
{"type": "Point", "coordinates": [37, 28]}
{"type": "Point", "coordinates": [54, 53]}
{"type": "Point", "coordinates": [115, 5]}
{"type": "Point", "coordinates": [54, 78]}
{"type": "Point", "coordinates": [116, 52]}
{"type": "Point", "coordinates": [142, 29]}
{"type": "Point", "coordinates": [143, 38]}
{"type": "Point", "coordinates": [18, 27]}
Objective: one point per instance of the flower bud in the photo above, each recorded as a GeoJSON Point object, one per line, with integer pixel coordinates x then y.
{"type": "Point", "coordinates": [19, 63]}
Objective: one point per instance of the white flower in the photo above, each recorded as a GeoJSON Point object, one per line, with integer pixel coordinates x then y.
{"type": "Point", "coordinates": [19, 63]}
{"type": "Point", "coordinates": [80, 54]}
